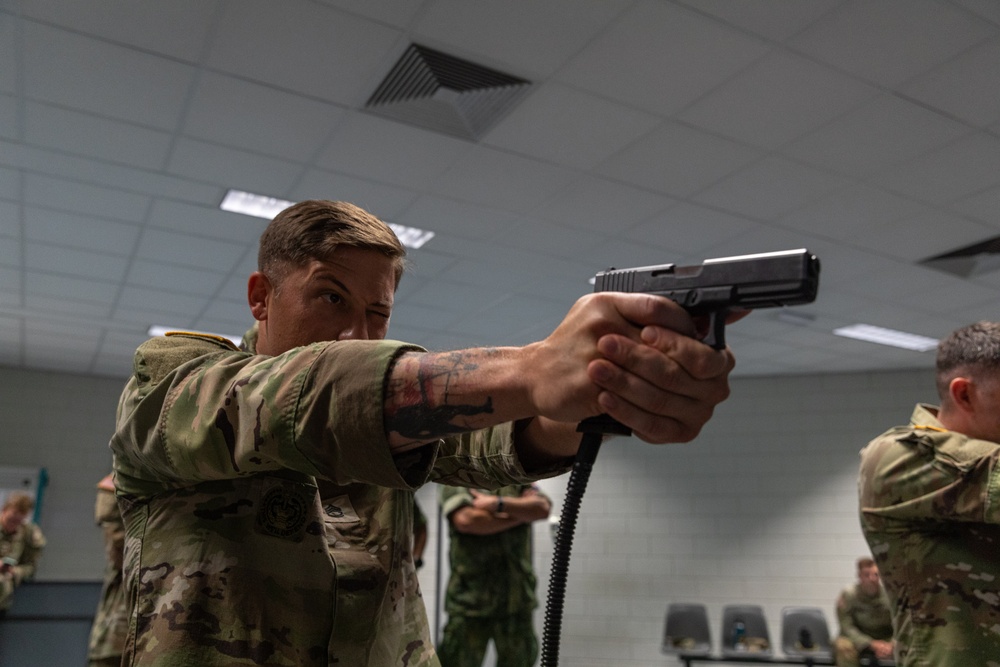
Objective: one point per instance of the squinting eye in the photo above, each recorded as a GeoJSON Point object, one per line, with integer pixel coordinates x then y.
{"type": "Point", "coordinates": [333, 297]}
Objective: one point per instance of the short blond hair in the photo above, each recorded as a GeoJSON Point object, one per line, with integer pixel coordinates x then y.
{"type": "Point", "coordinates": [312, 229]}
{"type": "Point", "coordinates": [21, 502]}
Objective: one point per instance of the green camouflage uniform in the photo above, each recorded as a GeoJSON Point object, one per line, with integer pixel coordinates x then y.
{"type": "Point", "coordinates": [491, 591]}
{"type": "Point", "coordinates": [930, 509]}
{"type": "Point", "coordinates": [25, 546]}
{"type": "Point", "coordinates": [862, 618]}
{"type": "Point", "coordinates": [260, 496]}
{"type": "Point", "coordinates": [107, 634]}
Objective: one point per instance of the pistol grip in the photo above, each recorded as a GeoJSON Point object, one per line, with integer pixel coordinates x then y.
{"type": "Point", "coordinates": [716, 329]}
{"type": "Point", "coordinates": [603, 424]}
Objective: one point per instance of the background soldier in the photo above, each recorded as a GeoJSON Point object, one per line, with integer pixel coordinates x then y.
{"type": "Point", "coordinates": [865, 619]}
{"type": "Point", "coordinates": [21, 544]}
{"type": "Point", "coordinates": [491, 590]}
{"type": "Point", "coordinates": [107, 635]}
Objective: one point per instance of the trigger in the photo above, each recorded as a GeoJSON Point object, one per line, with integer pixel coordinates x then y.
{"type": "Point", "coordinates": [716, 330]}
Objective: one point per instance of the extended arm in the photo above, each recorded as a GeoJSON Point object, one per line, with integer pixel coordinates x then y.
{"type": "Point", "coordinates": [629, 355]}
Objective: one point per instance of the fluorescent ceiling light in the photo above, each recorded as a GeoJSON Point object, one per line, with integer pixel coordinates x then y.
{"type": "Point", "coordinates": [158, 330]}
{"type": "Point", "coordinates": [259, 206]}
{"type": "Point", "coordinates": [873, 334]}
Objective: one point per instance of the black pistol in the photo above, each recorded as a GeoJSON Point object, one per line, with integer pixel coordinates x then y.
{"type": "Point", "coordinates": [712, 288]}
{"type": "Point", "coordinates": [765, 280]}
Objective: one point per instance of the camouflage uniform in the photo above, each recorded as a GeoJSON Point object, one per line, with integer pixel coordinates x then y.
{"type": "Point", "coordinates": [25, 546]}
{"type": "Point", "coordinates": [491, 591]}
{"type": "Point", "coordinates": [930, 509]}
{"type": "Point", "coordinates": [863, 618]}
{"type": "Point", "coordinates": [107, 634]}
{"type": "Point", "coordinates": [260, 495]}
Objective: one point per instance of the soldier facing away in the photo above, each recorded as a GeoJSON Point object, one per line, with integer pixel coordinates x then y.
{"type": "Point", "coordinates": [267, 491]}
{"type": "Point", "coordinates": [930, 510]}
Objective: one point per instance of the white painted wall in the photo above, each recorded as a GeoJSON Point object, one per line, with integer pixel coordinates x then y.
{"type": "Point", "coordinates": [761, 508]}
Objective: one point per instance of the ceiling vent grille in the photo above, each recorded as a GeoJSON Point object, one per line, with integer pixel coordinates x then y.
{"type": "Point", "coordinates": [970, 261]}
{"type": "Point", "coordinates": [440, 92]}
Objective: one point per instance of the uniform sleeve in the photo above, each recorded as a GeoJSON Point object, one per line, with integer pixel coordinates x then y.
{"type": "Point", "coordinates": [907, 476]}
{"type": "Point", "coordinates": [848, 627]}
{"type": "Point", "coordinates": [34, 542]}
{"type": "Point", "coordinates": [194, 412]}
{"type": "Point", "coordinates": [453, 498]}
{"type": "Point", "coordinates": [485, 459]}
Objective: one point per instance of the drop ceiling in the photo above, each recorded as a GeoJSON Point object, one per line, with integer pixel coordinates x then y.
{"type": "Point", "coordinates": [653, 132]}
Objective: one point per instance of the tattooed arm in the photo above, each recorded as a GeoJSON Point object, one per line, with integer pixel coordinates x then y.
{"type": "Point", "coordinates": [629, 355]}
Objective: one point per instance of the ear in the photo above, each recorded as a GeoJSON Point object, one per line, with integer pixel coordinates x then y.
{"type": "Point", "coordinates": [962, 394]}
{"type": "Point", "coordinates": [258, 295]}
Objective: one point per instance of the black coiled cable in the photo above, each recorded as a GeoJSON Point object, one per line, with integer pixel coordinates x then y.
{"type": "Point", "coordinates": [593, 430]}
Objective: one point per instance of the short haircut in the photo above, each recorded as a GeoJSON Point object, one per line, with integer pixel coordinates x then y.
{"type": "Point", "coordinates": [21, 502]}
{"type": "Point", "coordinates": [313, 229]}
{"type": "Point", "coordinates": [971, 349]}
{"type": "Point", "coordinates": [865, 562]}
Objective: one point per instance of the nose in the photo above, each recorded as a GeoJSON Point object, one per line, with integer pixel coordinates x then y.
{"type": "Point", "coordinates": [357, 329]}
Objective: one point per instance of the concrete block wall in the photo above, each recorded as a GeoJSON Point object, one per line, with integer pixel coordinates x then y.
{"type": "Point", "coordinates": [761, 508]}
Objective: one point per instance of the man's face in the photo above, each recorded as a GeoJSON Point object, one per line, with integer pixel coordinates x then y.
{"type": "Point", "coordinates": [346, 296]}
{"type": "Point", "coordinates": [869, 579]}
{"type": "Point", "coordinates": [11, 518]}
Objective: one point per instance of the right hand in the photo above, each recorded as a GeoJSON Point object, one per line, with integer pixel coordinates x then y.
{"type": "Point", "coordinates": [633, 356]}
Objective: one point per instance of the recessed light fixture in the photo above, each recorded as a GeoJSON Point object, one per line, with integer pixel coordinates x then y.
{"type": "Point", "coordinates": [262, 206]}
{"type": "Point", "coordinates": [159, 330]}
{"type": "Point", "coordinates": [882, 336]}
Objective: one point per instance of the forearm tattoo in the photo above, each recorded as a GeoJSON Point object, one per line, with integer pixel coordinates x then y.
{"type": "Point", "coordinates": [433, 404]}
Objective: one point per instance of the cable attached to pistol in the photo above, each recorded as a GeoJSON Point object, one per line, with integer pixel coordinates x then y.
{"type": "Point", "coordinates": [593, 429]}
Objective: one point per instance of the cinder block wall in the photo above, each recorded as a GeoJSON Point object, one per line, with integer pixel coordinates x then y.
{"type": "Point", "coordinates": [761, 508]}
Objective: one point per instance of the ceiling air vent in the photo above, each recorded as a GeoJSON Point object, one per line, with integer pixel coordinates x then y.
{"type": "Point", "coordinates": [970, 261]}
{"type": "Point", "coordinates": [440, 92]}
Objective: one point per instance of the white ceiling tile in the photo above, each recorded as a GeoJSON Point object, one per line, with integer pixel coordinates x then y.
{"type": "Point", "coordinates": [394, 12]}
{"type": "Point", "coordinates": [88, 293]}
{"type": "Point", "coordinates": [775, 19]}
{"type": "Point", "coordinates": [101, 202]}
{"type": "Point", "coordinates": [880, 133]}
{"type": "Point", "coordinates": [59, 306]}
{"type": "Point", "coordinates": [173, 278]}
{"type": "Point", "coordinates": [234, 168]}
{"type": "Point", "coordinates": [533, 37]}
{"type": "Point", "coordinates": [10, 182]}
{"type": "Point", "coordinates": [363, 144]}
{"type": "Point", "coordinates": [888, 42]}
{"type": "Point", "coordinates": [988, 9]}
{"type": "Point", "coordinates": [11, 126]}
{"type": "Point", "coordinates": [74, 262]}
{"type": "Point", "coordinates": [206, 221]}
{"type": "Point", "coordinates": [259, 118]}
{"type": "Point", "coordinates": [299, 35]}
{"type": "Point", "coordinates": [846, 215]}
{"type": "Point", "coordinates": [983, 205]}
{"type": "Point", "coordinates": [569, 127]}
{"type": "Point", "coordinates": [661, 57]}
{"type": "Point", "coordinates": [164, 301]}
{"type": "Point", "coordinates": [72, 71]}
{"type": "Point", "coordinates": [678, 160]}
{"type": "Point", "coordinates": [10, 251]}
{"type": "Point", "coordinates": [189, 250]}
{"type": "Point", "coordinates": [95, 137]}
{"type": "Point", "coordinates": [450, 217]}
{"type": "Point", "coordinates": [690, 229]}
{"type": "Point", "coordinates": [10, 282]}
{"type": "Point", "coordinates": [567, 241]}
{"type": "Point", "coordinates": [384, 200]}
{"type": "Point", "coordinates": [10, 220]}
{"type": "Point", "coordinates": [770, 188]}
{"type": "Point", "coordinates": [500, 180]}
{"type": "Point", "coordinates": [10, 36]}
{"type": "Point", "coordinates": [966, 166]}
{"type": "Point", "coordinates": [601, 205]}
{"type": "Point", "coordinates": [80, 231]}
{"type": "Point", "coordinates": [413, 314]}
{"type": "Point", "coordinates": [965, 87]}
{"type": "Point", "coordinates": [780, 97]}
{"type": "Point", "coordinates": [114, 176]}
{"type": "Point", "coordinates": [178, 28]}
